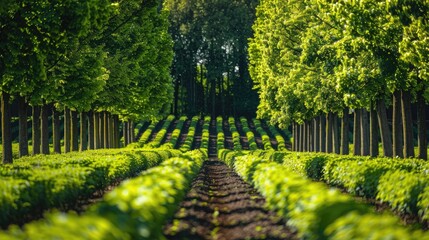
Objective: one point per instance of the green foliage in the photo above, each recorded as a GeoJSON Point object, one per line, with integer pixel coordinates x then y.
{"type": "Point", "coordinates": [234, 133]}
{"type": "Point", "coordinates": [137, 209]}
{"type": "Point", "coordinates": [249, 134]}
{"type": "Point", "coordinates": [161, 134]}
{"type": "Point", "coordinates": [220, 134]}
{"type": "Point", "coordinates": [266, 141]}
{"type": "Point", "coordinates": [206, 133]}
{"type": "Point", "coordinates": [34, 184]}
{"type": "Point", "coordinates": [315, 210]}
{"type": "Point", "coordinates": [187, 145]}
{"type": "Point", "coordinates": [176, 133]}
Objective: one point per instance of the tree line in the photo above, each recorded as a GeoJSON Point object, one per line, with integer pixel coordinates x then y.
{"type": "Point", "coordinates": [315, 62]}
{"type": "Point", "coordinates": [95, 63]}
{"type": "Point", "coordinates": [210, 66]}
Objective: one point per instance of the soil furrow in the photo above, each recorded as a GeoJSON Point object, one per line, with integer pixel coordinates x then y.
{"type": "Point", "coordinates": [222, 206]}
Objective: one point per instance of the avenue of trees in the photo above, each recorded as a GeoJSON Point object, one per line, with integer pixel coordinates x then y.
{"type": "Point", "coordinates": [315, 62]}
{"type": "Point", "coordinates": [210, 67]}
{"type": "Point", "coordinates": [89, 63]}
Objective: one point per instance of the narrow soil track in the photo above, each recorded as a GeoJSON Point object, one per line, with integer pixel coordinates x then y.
{"type": "Point", "coordinates": [258, 138]}
{"type": "Point", "coordinates": [229, 144]}
{"type": "Point", "coordinates": [222, 206]}
{"type": "Point", "coordinates": [156, 130]}
{"type": "Point", "coordinates": [170, 130]}
{"type": "Point", "coordinates": [198, 132]}
{"type": "Point", "coordinates": [141, 130]}
{"type": "Point", "coordinates": [243, 139]}
{"type": "Point", "coordinates": [183, 133]}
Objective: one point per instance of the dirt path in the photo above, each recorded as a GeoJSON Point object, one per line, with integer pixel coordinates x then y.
{"type": "Point", "coordinates": [243, 139]}
{"type": "Point", "coordinates": [222, 206]}
{"type": "Point", "coordinates": [229, 144]}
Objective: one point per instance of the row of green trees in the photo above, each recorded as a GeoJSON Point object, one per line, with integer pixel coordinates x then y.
{"type": "Point", "coordinates": [210, 67]}
{"type": "Point", "coordinates": [97, 57]}
{"type": "Point", "coordinates": [314, 61]}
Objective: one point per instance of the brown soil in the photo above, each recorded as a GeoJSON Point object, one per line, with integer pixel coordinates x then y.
{"type": "Point", "coordinates": [183, 134]}
{"type": "Point", "coordinates": [170, 130]}
{"type": "Point", "coordinates": [229, 144]}
{"type": "Point", "coordinates": [155, 130]}
{"type": "Point", "coordinates": [198, 132]}
{"type": "Point", "coordinates": [222, 206]}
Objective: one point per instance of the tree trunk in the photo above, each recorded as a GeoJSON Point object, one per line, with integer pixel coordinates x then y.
{"type": "Point", "coordinates": [46, 109]}
{"type": "Point", "coordinates": [67, 130]}
{"type": "Point", "coordinates": [131, 132]}
{"type": "Point", "coordinates": [345, 132]}
{"type": "Point", "coordinates": [75, 131]}
{"type": "Point", "coordinates": [125, 133]}
{"type": "Point", "coordinates": [364, 127]}
{"type": "Point", "coordinates": [6, 125]}
{"type": "Point", "coordinates": [386, 139]}
{"type": "Point", "coordinates": [56, 137]}
{"type": "Point", "coordinates": [101, 119]}
{"type": "Point", "coordinates": [322, 133]}
{"type": "Point", "coordinates": [36, 130]}
{"type": "Point", "coordinates": [91, 130]}
{"type": "Point", "coordinates": [329, 132]}
{"type": "Point", "coordinates": [294, 130]}
{"type": "Point", "coordinates": [106, 130]}
{"type": "Point", "coordinates": [305, 137]}
{"type": "Point", "coordinates": [116, 131]}
{"type": "Point", "coordinates": [23, 127]}
{"type": "Point", "coordinates": [310, 135]}
{"type": "Point", "coordinates": [407, 121]}
{"type": "Point", "coordinates": [335, 134]}
{"type": "Point", "coordinates": [83, 131]}
{"type": "Point", "coordinates": [301, 138]}
{"type": "Point", "coordinates": [421, 114]}
{"type": "Point", "coordinates": [374, 133]}
{"type": "Point", "coordinates": [397, 126]}
{"type": "Point", "coordinates": [316, 134]}
{"type": "Point", "coordinates": [97, 130]}
{"type": "Point", "coordinates": [357, 133]}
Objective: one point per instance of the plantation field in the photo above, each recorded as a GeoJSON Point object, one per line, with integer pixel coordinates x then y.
{"type": "Point", "coordinates": [233, 178]}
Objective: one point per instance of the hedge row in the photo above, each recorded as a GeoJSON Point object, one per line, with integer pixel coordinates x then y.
{"type": "Point", "coordinates": [249, 134]}
{"type": "Point", "coordinates": [137, 209]}
{"type": "Point", "coordinates": [176, 133]}
{"type": "Point", "coordinates": [401, 183]}
{"type": "Point", "coordinates": [33, 184]}
{"type": "Point", "coordinates": [187, 145]}
{"type": "Point", "coordinates": [316, 211]}
{"type": "Point", "coordinates": [234, 133]}
{"type": "Point", "coordinates": [266, 141]}
{"type": "Point", "coordinates": [220, 134]}
{"type": "Point", "coordinates": [156, 142]}
{"type": "Point", "coordinates": [205, 133]}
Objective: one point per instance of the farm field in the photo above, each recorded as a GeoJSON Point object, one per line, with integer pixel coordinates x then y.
{"type": "Point", "coordinates": [223, 191]}
{"type": "Point", "coordinates": [214, 120]}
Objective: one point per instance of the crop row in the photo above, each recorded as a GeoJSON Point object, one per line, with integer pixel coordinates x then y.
{"type": "Point", "coordinates": [281, 144]}
{"type": "Point", "coordinates": [266, 141]}
{"type": "Point", "coordinates": [234, 133]}
{"type": "Point", "coordinates": [156, 142]}
{"type": "Point", "coordinates": [316, 211]}
{"type": "Point", "coordinates": [403, 184]}
{"type": "Point", "coordinates": [33, 184]}
{"type": "Point", "coordinates": [220, 134]}
{"type": "Point", "coordinates": [137, 209]}
{"type": "Point", "coordinates": [187, 145]}
{"type": "Point", "coordinates": [206, 133]}
{"type": "Point", "coordinates": [249, 134]}
{"type": "Point", "coordinates": [176, 133]}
